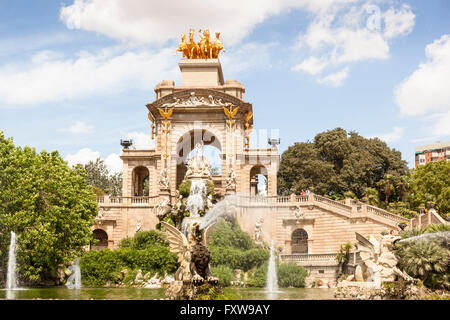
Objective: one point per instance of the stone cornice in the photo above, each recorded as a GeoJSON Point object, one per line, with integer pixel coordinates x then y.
{"type": "Point", "coordinates": [205, 93]}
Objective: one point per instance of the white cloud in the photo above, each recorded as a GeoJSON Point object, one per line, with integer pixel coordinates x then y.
{"type": "Point", "coordinates": [312, 65]}
{"type": "Point", "coordinates": [114, 163]}
{"type": "Point", "coordinates": [393, 136]}
{"type": "Point", "coordinates": [82, 157]}
{"type": "Point", "coordinates": [345, 33]}
{"type": "Point", "coordinates": [237, 60]}
{"type": "Point", "coordinates": [427, 89]}
{"type": "Point", "coordinates": [335, 79]}
{"type": "Point", "coordinates": [141, 140]}
{"type": "Point", "coordinates": [81, 127]}
{"type": "Point", "coordinates": [50, 77]}
{"type": "Point", "coordinates": [398, 22]}
{"type": "Point", "coordinates": [157, 21]}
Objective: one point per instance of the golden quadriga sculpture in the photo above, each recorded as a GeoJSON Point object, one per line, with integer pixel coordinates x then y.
{"type": "Point", "coordinates": [204, 49]}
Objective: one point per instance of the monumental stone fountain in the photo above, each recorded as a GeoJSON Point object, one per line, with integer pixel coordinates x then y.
{"type": "Point", "coordinates": [190, 241]}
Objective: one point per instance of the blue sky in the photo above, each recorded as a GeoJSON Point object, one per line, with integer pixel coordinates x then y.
{"type": "Point", "coordinates": [75, 76]}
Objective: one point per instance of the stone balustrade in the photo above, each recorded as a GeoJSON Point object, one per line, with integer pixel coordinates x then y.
{"type": "Point", "coordinates": [348, 206]}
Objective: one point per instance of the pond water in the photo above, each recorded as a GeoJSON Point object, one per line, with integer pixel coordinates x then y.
{"type": "Point", "coordinates": [151, 294]}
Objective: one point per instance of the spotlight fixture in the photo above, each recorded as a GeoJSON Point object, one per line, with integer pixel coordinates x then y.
{"type": "Point", "coordinates": [126, 143]}
{"type": "Point", "coordinates": [273, 142]}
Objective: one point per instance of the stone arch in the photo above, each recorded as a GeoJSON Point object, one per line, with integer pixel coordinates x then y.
{"type": "Point", "coordinates": [102, 237]}
{"type": "Point", "coordinates": [299, 241]}
{"type": "Point", "coordinates": [186, 143]}
{"type": "Point", "coordinates": [140, 178]}
{"type": "Point", "coordinates": [254, 172]}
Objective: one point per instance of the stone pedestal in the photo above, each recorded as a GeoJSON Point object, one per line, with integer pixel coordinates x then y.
{"type": "Point", "coordinates": [201, 72]}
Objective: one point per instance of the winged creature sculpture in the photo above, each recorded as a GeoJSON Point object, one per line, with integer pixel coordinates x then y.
{"type": "Point", "coordinates": [379, 263]}
{"type": "Point", "coordinates": [165, 114]}
{"type": "Point", "coordinates": [193, 254]}
{"type": "Point", "coordinates": [230, 113]}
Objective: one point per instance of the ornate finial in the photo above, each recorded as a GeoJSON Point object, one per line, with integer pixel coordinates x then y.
{"type": "Point", "coordinates": [204, 49]}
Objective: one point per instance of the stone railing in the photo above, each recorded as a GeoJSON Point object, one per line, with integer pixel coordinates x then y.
{"type": "Point", "coordinates": [385, 214]}
{"type": "Point", "coordinates": [333, 203]}
{"type": "Point", "coordinates": [330, 257]}
{"type": "Point", "coordinates": [145, 200]}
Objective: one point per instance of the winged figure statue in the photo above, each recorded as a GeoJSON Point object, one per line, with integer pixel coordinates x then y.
{"type": "Point", "coordinates": [165, 114]}
{"type": "Point", "coordinates": [378, 262]}
{"type": "Point", "coordinates": [193, 254]}
{"type": "Point", "coordinates": [230, 113]}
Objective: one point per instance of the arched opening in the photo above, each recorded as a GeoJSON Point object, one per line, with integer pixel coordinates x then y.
{"type": "Point", "coordinates": [258, 180]}
{"type": "Point", "coordinates": [140, 181]}
{"type": "Point", "coordinates": [102, 240]}
{"type": "Point", "coordinates": [299, 241]}
{"type": "Point", "coordinates": [212, 150]}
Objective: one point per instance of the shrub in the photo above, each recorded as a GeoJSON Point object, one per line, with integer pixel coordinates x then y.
{"type": "Point", "coordinates": [146, 239]}
{"type": "Point", "coordinates": [291, 275]}
{"type": "Point", "coordinates": [426, 260]}
{"type": "Point", "coordinates": [258, 276]}
{"type": "Point", "coordinates": [227, 234]}
{"type": "Point", "coordinates": [225, 275]}
{"type": "Point", "coordinates": [185, 188]}
{"type": "Point", "coordinates": [100, 267]}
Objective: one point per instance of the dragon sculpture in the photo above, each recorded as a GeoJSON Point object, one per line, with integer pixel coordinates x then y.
{"type": "Point", "coordinates": [193, 254]}
{"type": "Point", "coordinates": [379, 263]}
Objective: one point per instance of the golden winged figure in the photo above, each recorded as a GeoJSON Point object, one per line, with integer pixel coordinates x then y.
{"type": "Point", "coordinates": [230, 113]}
{"type": "Point", "coordinates": [165, 114]}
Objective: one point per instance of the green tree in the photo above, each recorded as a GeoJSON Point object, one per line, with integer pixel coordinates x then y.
{"type": "Point", "coordinates": [430, 183]}
{"type": "Point", "coordinates": [98, 176]}
{"type": "Point", "coordinates": [47, 204]}
{"type": "Point", "coordinates": [342, 256]}
{"type": "Point", "coordinates": [337, 162]}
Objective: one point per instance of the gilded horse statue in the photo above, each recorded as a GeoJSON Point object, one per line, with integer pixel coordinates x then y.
{"type": "Point", "coordinates": [205, 44]}
{"type": "Point", "coordinates": [194, 49]}
{"type": "Point", "coordinates": [217, 46]}
{"type": "Point", "coordinates": [204, 49]}
{"type": "Point", "coordinates": [183, 47]}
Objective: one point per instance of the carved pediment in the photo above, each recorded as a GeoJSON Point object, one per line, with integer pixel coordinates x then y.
{"type": "Point", "coordinates": [195, 98]}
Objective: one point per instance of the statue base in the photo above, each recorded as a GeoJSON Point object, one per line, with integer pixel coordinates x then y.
{"type": "Point", "coordinates": [186, 290]}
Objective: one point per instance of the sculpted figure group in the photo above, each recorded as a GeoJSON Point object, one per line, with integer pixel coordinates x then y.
{"type": "Point", "coordinates": [204, 49]}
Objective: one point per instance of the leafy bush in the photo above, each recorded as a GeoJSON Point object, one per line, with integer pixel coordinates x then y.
{"type": "Point", "coordinates": [144, 240]}
{"type": "Point", "coordinates": [291, 275]}
{"type": "Point", "coordinates": [231, 246]}
{"type": "Point", "coordinates": [426, 260]}
{"type": "Point", "coordinates": [225, 275]}
{"type": "Point", "coordinates": [185, 188]}
{"type": "Point", "coordinates": [229, 234]}
{"type": "Point", "coordinates": [258, 276]}
{"type": "Point", "coordinates": [100, 267]}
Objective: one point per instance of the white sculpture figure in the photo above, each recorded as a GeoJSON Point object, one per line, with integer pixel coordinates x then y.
{"type": "Point", "coordinates": [163, 208]}
{"type": "Point", "coordinates": [163, 180]}
{"type": "Point", "coordinates": [298, 213]}
{"type": "Point", "coordinates": [198, 165]}
{"type": "Point", "coordinates": [178, 201]}
{"type": "Point", "coordinates": [258, 225]}
{"type": "Point", "coordinates": [231, 180]}
{"type": "Point", "coordinates": [378, 261]}
{"type": "Point", "coordinates": [138, 226]}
